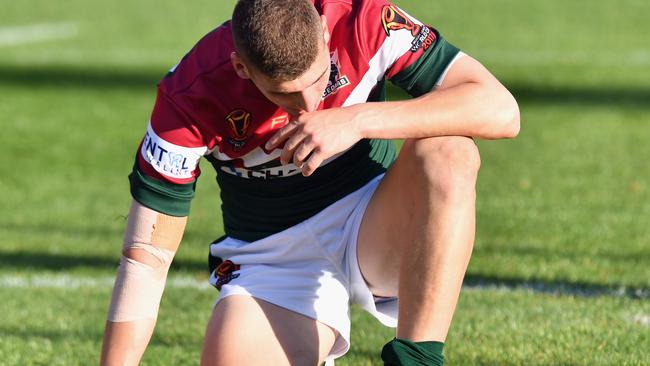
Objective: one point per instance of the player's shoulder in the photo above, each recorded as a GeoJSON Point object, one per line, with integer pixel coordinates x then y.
{"type": "Point", "coordinates": [355, 22]}
{"type": "Point", "coordinates": [209, 56]}
{"type": "Point", "coordinates": [349, 10]}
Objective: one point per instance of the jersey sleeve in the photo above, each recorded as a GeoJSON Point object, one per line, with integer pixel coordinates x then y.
{"type": "Point", "coordinates": [167, 162]}
{"type": "Point", "coordinates": [415, 55]}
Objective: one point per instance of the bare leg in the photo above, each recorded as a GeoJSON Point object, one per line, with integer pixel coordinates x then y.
{"type": "Point", "coordinates": [248, 331]}
{"type": "Point", "coordinates": [422, 217]}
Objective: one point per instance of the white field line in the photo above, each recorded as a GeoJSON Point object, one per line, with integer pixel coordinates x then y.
{"type": "Point", "coordinates": [74, 282]}
{"type": "Point", "coordinates": [18, 35]}
{"type": "Point", "coordinates": [642, 319]}
{"type": "Point", "coordinates": [66, 281]}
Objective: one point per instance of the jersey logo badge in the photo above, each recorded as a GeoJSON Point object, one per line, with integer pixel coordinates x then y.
{"type": "Point", "coordinates": [224, 273]}
{"type": "Point", "coordinates": [239, 121]}
{"type": "Point", "coordinates": [394, 19]}
{"type": "Point", "coordinates": [336, 81]}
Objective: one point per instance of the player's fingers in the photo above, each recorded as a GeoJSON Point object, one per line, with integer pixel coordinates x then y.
{"type": "Point", "coordinates": [282, 135]}
{"type": "Point", "coordinates": [290, 146]}
{"type": "Point", "coordinates": [313, 162]}
{"type": "Point", "coordinates": [302, 152]}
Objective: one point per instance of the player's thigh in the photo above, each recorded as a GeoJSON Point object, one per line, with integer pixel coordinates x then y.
{"type": "Point", "coordinates": [247, 331]}
{"type": "Point", "coordinates": [391, 219]}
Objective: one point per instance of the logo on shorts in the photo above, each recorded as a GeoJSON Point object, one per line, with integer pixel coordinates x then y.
{"type": "Point", "coordinates": [336, 81]}
{"type": "Point", "coordinates": [394, 19]}
{"type": "Point", "coordinates": [239, 121]}
{"type": "Point", "coordinates": [224, 273]}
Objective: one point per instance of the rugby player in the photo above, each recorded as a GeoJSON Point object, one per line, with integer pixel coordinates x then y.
{"type": "Point", "coordinates": [286, 101]}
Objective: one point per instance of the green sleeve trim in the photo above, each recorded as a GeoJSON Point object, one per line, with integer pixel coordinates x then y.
{"type": "Point", "coordinates": [164, 197]}
{"type": "Point", "coordinates": [421, 77]}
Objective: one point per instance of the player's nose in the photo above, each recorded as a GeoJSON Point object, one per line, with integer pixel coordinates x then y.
{"type": "Point", "coordinates": [308, 100]}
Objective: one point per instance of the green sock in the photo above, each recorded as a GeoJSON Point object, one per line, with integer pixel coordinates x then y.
{"type": "Point", "coordinates": [401, 352]}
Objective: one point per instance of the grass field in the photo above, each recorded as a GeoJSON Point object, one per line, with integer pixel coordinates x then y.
{"type": "Point", "coordinates": [561, 269]}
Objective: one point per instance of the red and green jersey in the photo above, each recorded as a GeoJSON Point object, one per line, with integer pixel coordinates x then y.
{"type": "Point", "coordinates": [203, 109]}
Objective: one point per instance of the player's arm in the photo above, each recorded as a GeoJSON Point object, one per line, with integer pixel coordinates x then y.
{"type": "Point", "coordinates": [150, 242]}
{"type": "Point", "coordinates": [470, 101]}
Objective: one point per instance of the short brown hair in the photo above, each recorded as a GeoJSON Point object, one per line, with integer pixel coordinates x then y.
{"type": "Point", "coordinates": [279, 37]}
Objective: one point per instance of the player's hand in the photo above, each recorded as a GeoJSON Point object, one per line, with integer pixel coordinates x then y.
{"type": "Point", "coordinates": [314, 137]}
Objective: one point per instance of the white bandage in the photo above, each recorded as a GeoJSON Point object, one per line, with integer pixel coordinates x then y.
{"type": "Point", "coordinates": [138, 286]}
{"type": "Point", "coordinates": [150, 241]}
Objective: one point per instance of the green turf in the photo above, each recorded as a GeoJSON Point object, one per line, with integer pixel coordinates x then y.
{"type": "Point", "coordinates": [561, 208]}
{"type": "Point", "coordinates": [492, 327]}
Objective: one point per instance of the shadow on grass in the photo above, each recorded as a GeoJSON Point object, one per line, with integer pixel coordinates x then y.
{"type": "Point", "coordinates": [21, 260]}
{"type": "Point", "coordinates": [80, 77]}
{"type": "Point", "coordinates": [106, 230]}
{"type": "Point", "coordinates": [47, 230]}
{"type": "Point", "coordinates": [60, 76]}
{"type": "Point", "coordinates": [560, 288]}
{"type": "Point", "coordinates": [576, 95]}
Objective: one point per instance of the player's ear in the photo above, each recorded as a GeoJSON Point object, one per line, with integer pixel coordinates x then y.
{"type": "Point", "coordinates": [326, 31]}
{"type": "Point", "coordinates": [239, 66]}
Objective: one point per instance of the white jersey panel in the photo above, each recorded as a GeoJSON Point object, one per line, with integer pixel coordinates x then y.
{"type": "Point", "coordinates": [394, 47]}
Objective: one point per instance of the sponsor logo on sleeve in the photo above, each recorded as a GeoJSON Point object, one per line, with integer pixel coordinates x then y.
{"type": "Point", "coordinates": [424, 39]}
{"type": "Point", "coordinates": [169, 159]}
{"type": "Point", "coordinates": [336, 81]}
{"type": "Point", "coordinates": [239, 122]}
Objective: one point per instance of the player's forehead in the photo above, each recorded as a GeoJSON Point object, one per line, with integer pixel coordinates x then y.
{"type": "Point", "coordinates": [306, 80]}
{"type": "Point", "coordinates": [319, 68]}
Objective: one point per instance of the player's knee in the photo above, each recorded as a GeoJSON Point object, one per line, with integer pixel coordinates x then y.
{"type": "Point", "coordinates": [449, 164]}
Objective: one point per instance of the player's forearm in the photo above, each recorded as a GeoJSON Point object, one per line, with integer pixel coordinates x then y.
{"type": "Point", "coordinates": [469, 109]}
{"type": "Point", "coordinates": [150, 243]}
{"type": "Point", "coordinates": [125, 342]}
{"type": "Point", "coordinates": [133, 310]}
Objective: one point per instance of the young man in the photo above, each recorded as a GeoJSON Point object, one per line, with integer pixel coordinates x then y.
{"type": "Point", "coordinates": [284, 101]}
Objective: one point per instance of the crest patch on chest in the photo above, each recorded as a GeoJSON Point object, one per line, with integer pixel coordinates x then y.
{"type": "Point", "coordinates": [336, 81]}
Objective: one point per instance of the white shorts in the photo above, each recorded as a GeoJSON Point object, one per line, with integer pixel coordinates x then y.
{"type": "Point", "coordinates": [310, 268]}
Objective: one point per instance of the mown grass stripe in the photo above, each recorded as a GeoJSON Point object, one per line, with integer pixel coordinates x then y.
{"type": "Point", "coordinates": [65, 281]}
{"type": "Point", "coordinates": [631, 57]}
{"type": "Point", "coordinates": [17, 35]}
{"type": "Point", "coordinates": [75, 282]}
{"type": "Point", "coordinates": [558, 288]}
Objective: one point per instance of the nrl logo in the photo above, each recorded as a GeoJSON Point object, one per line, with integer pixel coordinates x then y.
{"type": "Point", "coordinates": [337, 81]}
{"type": "Point", "coordinates": [239, 121]}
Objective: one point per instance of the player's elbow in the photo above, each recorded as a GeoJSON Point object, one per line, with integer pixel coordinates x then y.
{"type": "Point", "coordinates": [507, 117]}
{"type": "Point", "coordinates": [512, 119]}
